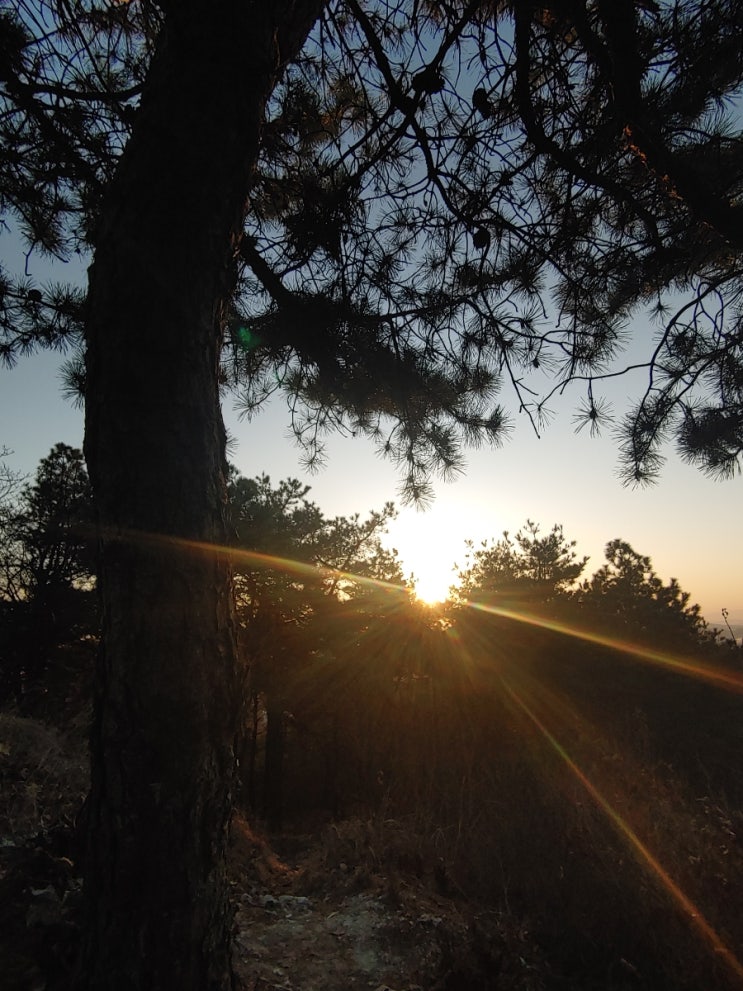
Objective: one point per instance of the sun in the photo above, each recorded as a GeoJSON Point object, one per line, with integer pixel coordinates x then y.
{"type": "Point", "coordinates": [433, 588]}
{"type": "Point", "coordinates": [429, 543]}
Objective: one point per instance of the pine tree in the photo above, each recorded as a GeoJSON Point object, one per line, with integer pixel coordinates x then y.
{"type": "Point", "coordinates": [527, 568]}
{"type": "Point", "coordinates": [371, 218]}
{"type": "Point", "coordinates": [308, 588]}
{"type": "Point", "coordinates": [46, 587]}
{"type": "Point", "coordinates": [627, 599]}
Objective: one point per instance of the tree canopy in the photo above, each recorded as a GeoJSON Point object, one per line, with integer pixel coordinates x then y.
{"type": "Point", "coordinates": [43, 534]}
{"type": "Point", "coordinates": [527, 566]}
{"type": "Point", "coordinates": [627, 597]}
{"type": "Point", "coordinates": [449, 199]}
{"type": "Point", "coordinates": [556, 171]}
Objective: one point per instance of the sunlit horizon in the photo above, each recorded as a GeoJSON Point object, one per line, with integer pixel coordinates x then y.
{"type": "Point", "coordinates": [681, 664]}
{"type": "Point", "coordinates": [687, 523]}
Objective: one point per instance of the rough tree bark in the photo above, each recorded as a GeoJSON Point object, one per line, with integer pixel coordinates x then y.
{"type": "Point", "coordinates": [169, 686]}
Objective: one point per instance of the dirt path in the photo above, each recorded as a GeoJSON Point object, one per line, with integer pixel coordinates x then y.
{"type": "Point", "coordinates": [321, 926]}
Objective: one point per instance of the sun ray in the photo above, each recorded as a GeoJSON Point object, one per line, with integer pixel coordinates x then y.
{"type": "Point", "coordinates": [715, 675]}
{"type": "Point", "coordinates": [681, 665]}
{"type": "Point", "coordinates": [257, 559]}
{"type": "Point", "coordinates": [641, 851]}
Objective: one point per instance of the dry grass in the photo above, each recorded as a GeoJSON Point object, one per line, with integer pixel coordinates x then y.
{"type": "Point", "coordinates": [43, 776]}
{"type": "Point", "coordinates": [607, 818]}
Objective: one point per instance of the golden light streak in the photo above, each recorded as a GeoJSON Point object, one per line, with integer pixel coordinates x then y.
{"type": "Point", "coordinates": [714, 675]}
{"type": "Point", "coordinates": [256, 559]}
{"type": "Point", "coordinates": [641, 851]}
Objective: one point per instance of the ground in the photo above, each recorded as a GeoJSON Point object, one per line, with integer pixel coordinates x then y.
{"type": "Point", "coordinates": [304, 921]}
{"type": "Point", "coordinates": [325, 918]}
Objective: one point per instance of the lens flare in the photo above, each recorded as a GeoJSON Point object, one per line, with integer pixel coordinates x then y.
{"type": "Point", "coordinates": [717, 676]}
{"type": "Point", "coordinates": [255, 559]}
{"type": "Point", "coordinates": [246, 338]}
{"type": "Point", "coordinates": [681, 665]}
{"type": "Point", "coordinates": [642, 853]}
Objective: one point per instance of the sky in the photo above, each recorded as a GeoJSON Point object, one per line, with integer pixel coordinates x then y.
{"type": "Point", "coordinates": [689, 525]}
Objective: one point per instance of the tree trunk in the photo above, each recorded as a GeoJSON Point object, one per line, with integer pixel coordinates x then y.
{"type": "Point", "coordinates": [169, 694]}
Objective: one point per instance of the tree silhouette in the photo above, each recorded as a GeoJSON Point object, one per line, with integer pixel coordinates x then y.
{"type": "Point", "coordinates": [527, 568]}
{"type": "Point", "coordinates": [527, 152]}
{"type": "Point", "coordinates": [9, 479]}
{"type": "Point", "coordinates": [305, 602]}
{"type": "Point", "coordinates": [638, 179]}
{"type": "Point", "coordinates": [46, 570]}
{"type": "Point", "coordinates": [627, 598]}
{"type": "Point", "coordinates": [370, 218]}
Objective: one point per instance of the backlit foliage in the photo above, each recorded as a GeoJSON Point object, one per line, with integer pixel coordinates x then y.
{"type": "Point", "coordinates": [451, 199]}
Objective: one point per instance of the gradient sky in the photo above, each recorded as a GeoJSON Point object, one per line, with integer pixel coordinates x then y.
{"type": "Point", "coordinates": [689, 525]}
